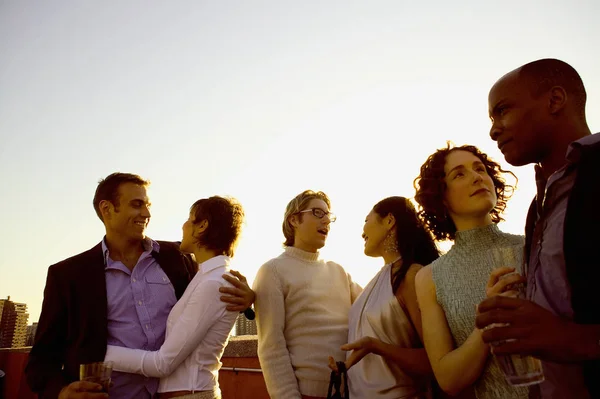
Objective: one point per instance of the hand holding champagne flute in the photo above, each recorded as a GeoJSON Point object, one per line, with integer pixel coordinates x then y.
{"type": "Point", "coordinates": [505, 280]}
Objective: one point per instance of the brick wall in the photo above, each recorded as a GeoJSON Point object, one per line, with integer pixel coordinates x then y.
{"type": "Point", "coordinates": [239, 378]}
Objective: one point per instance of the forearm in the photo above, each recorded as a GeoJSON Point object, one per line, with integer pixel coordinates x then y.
{"type": "Point", "coordinates": [273, 352]}
{"type": "Point", "coordinates": [461, 367]}
{"type": "Point", "coordinates": [203, 313]}
{"type": "Point", "coordinates": [412, 360]}
{"type": "Point", "coordinates": [126, 359]}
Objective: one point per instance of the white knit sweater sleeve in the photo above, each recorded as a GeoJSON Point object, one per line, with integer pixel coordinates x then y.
{"type": "Point", "coordinates": [270, 322]}
{"type": "Point", "coordinates": [355, 288]}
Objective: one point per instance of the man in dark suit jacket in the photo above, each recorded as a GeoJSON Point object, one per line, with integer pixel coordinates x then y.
{"type": "Point", "coordinates": [538, 116]}
{"type": "Point", "coordinates": [118, 292]}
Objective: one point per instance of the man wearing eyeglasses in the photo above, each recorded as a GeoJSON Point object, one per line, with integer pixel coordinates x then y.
{"type": "Point", "coordinates": [302, 304]}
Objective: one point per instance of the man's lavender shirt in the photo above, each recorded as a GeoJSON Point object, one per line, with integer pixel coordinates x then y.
{"type": "Point", "coordinates": [547, 283]}
{"type": "Point", "coordinates": [139, 302]}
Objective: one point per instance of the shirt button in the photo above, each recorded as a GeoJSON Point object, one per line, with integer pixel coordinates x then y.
{"type": "Point", "coordinates": [147, 326]}
{"type": "Point", "coordinates": [140, 303]}
{"type": "Point", "coordinates": [133, 279]}
{"type": "Point", "coordinates": [164, 278]}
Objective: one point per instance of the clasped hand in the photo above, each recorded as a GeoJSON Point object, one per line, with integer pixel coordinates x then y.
{"type": "Point", "coordinates": [526, 328]}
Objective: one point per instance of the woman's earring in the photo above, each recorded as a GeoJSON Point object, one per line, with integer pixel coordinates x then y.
{"type": "Point", "coordinates": [389, 243]}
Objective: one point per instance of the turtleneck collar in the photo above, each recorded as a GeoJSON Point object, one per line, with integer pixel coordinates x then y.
{"type": "Point", "coordinates": [478, 234]}
{"type": "Point", "coordinates": [302, 255]}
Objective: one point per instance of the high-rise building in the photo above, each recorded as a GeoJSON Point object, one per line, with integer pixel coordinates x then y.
{"type": "Point", "coordinates": [31, 330]}
{"type": "Point", "coordinates": [13, 324]}
{"type": "Point", "coordinates": [243, 326]}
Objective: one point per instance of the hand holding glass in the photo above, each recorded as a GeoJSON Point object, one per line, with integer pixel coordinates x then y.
{"type": "Point", "coordinates": [98, 372]}
{"type": "Point", "coordinates": [518, 370]}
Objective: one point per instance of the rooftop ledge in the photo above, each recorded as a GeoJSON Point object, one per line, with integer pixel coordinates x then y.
{"type": "Point", "coordinates": [239, 378]}
{"type": "Point", "coordinates": [238, 346]}
{"type": "Point", "coordinates": [241, 346]}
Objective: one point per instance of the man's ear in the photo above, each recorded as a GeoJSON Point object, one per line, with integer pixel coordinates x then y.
{"type": "Point", "coordinates": [558, 99]}
{"type": "Point", "coordinates": [294, 220]}
{"type": "Point", "coordinates": [106, 209]}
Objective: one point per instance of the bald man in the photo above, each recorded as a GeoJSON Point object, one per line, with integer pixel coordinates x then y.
{"type": "Point", "coordinates": [538, 116]}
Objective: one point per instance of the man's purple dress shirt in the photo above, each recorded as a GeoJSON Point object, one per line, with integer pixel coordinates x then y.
{"type": "Point", "coordinates": [139, 302]}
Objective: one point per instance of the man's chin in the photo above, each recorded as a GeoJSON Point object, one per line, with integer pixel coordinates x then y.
{"type": "Point", "coordinates": [138, 237]}
{"type": "Point", "coordinates": [516, 159]}
{"type": "Point", "coordinates": [320, 244]}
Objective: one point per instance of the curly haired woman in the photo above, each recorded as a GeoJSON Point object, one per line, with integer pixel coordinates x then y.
{"type": "Point", "coordinates": [462, 194]}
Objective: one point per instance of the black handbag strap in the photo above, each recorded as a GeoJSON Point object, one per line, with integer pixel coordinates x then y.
{"type": "Point", "coordinates": [335, 383]}
{"type": "Point", "coordinates": [345, 376]}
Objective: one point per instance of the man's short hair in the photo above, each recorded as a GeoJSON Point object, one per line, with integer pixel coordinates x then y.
{"type": "Point", "coordinates": [546, 73]}
{"type": "Point", "coordinates": [108, 188]}
{"type": "Point", "coordinates": [298, 204]}
{"type": "Point", "coordinates": [225, 217]}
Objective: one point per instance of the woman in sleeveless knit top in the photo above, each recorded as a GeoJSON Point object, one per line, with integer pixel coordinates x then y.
{"type": "Point", "coordinates": [462, 194]}
{"type": "Point", "coordinates": [385, 357]}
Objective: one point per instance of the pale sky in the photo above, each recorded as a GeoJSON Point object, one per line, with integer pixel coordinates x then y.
{"type": "Point", "coordinates": [258, 100]}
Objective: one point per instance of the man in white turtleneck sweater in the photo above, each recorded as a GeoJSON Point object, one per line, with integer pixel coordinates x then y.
{"type": "Point", "coordinates": [302, 304]}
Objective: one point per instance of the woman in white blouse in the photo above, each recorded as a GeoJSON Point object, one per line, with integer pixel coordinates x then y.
{"type": "Point", "coordinates": [199, 324]}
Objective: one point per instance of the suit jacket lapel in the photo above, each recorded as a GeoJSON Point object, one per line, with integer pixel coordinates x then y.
{"type": "Point", "coordinates": [94, 299]}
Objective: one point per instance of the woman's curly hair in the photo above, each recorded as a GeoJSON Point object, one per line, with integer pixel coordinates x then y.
{"type": "Point", "coordinates": [430, 187]}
